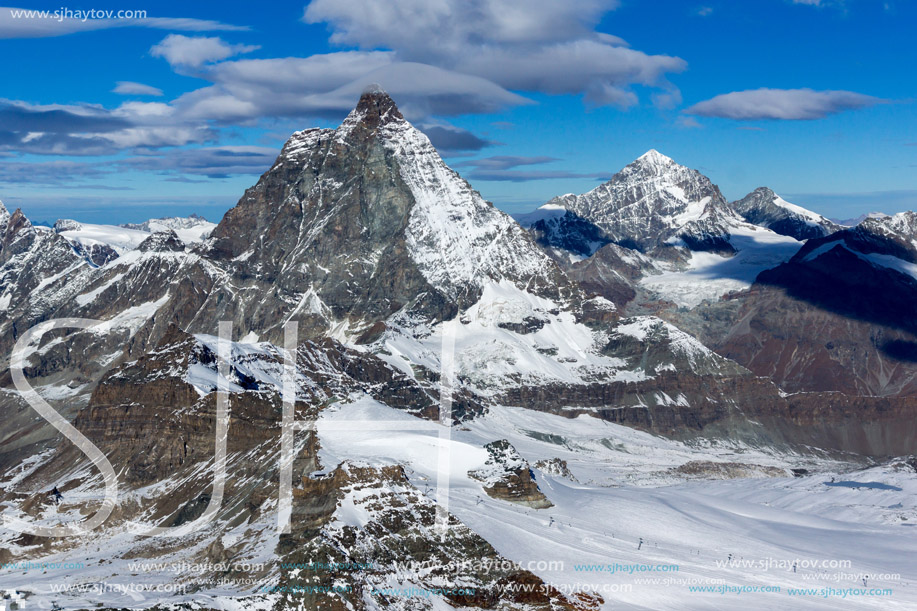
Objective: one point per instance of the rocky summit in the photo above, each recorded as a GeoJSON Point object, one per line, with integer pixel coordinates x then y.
{"type": "Point", "coordinates": [368, 388]}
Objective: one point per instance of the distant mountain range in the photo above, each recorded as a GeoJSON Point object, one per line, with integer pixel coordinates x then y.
{"type": "Point", "coordinates": [646, 332]}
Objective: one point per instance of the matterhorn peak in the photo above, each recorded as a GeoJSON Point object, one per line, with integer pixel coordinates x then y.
{"type": "Point", "coordinates": [376, 107]}
{"type": "Point", "coordinates": [374, 89]}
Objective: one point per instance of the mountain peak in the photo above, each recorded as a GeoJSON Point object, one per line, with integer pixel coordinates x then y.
{"type": "Point", "coordinates": [374, 89]}
{"type": "Point", "coordinates": [376, 107]}
{"type": "Point", "coordinates": [763, 207]}
{"type": "Point", "coordinates": [654, 157]}
{"type": "Point", "coordinates": [17, 221]}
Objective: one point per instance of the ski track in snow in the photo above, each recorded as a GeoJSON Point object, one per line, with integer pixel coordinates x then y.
{"type": "Point", "coordinates": [624, 493]}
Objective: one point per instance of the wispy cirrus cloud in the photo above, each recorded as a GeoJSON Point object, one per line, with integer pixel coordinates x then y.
{"type": "Point", "coordinates": [503, 168]}
{"type": "Point", "coordinates": [450, 139]}
{"type": "Point", "coordinates": [212, 162]}
{"type": "Point", "coordinates": [432, 63]}
{"type": "Point", "coordinates": [132, 88]}
{"type": "Point", "coordinates": [59, 173]}
{"type": "Point", "coordinates": [782, 104]}
{"type": "Point", "coordinates": [82, 130]}
{"type": "Point", "coordinates": [506, 162]}
{"type": "Point", "coordinates": [194, 51]}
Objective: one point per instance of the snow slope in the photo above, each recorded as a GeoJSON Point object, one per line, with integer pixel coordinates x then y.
{"type": "Point", "coordinates": [708, 276]}
{"type": "Point", "coordinates": [724, 535]}
{"type": "Point", "coordinates": [122, 238]}
{"type": "Point", "coordinates": [456, 238]}
{"type": "Point", "coordinates": [118, 238]}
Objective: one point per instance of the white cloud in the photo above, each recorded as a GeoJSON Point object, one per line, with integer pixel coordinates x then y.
{"type": "Point", "coordinates": [424, 27]}
{"type": "Point", "coordinates": [569, 67]}
{"type": "Point", "coordinates": [249, 89]}
{"type": "Point", "coordinates": [57, 129]}
{"type": "Point", "coordinates": [788, 104]}
{"type": "Point", "coordinates": [213, 162]}
{"type": "Point", "coordinates": [132, 88]}
{"type": "Point", "coordinates": [603, 94]}
{"type": "Point", "coordinates": [423, 90]}
{"type": "Point", "coordinates": [540, 45]}
{"type": "Point", "coordinates": [195, 51]}
{"type": "Point", "coordinates": [329, 85]}
{"type": "Point", "coordinates": [437, 58]}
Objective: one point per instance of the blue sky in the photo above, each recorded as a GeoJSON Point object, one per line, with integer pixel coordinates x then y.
{"type": "Point", "coordinates": [115, 120]}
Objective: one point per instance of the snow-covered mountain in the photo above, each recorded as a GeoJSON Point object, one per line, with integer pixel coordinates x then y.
{"type": "Point", "coordinates": [31, 260]}
{"type": "Point", "coordinates": [765, 208]}
{"type": "Point", "coordinates": [885, 241]}
{"type": "Point", "coordinates": [4, 216]}
{"type": "Point", "coordinates": [469, 398]}
{"type": "Point", "coordinates": [99, 244]}
{"type": "Point", "coordinates": [366, 221]}
{"type": "Point", "coordinates": [698, 246]}
{"type": "Point", "coordinates": [564, 235]}
{"type": "Point", "coordinates": [852, 222]}
{"type": "Point", "coordinates": [654, 202]}
{"type": "Point", "coordinates": [190, 229]}
{"type": "Point", "coordinates": [835, 316]}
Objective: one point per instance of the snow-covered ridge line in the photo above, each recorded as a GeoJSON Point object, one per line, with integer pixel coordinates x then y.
{"type": "Point", "coordinates": [457, 239]}
{"type": "Point", "coordinates": [100, 243]}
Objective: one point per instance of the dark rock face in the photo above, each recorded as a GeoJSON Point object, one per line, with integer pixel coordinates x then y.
{"type": "Point", "coordinates": [765, 208]}
{"type": "Point", "coordinates": [835, 317]}
{"type": "Point", "coordinates": [726, 470]}
{"type": "Point", "coordinates": [162, 241]}
{"type": "Point", "coordinates": [400, 531]}
{"type": "Point", "coordinates": [748, 409]}
{"type": "Point", "coordinates": [508, 476]}
{"type": "Point", "coordinates": [340, 229]}
{"type": "Point", "coordinates": [612, 273]}
{"type": "Point", "coordinates": [97, 254]}
{"type": "Point", "coordinates": [157, 429]}
{"type": "Point", "coordinates": [831, 319]}
{"type": "Point", "coordinates": [568, 233]}
{"type": "Point", "coordinates": [29, 256]}
{"type": "Point", "coordinates": [805, 341]}
{"type": "Point", "coordinates": [840, 281]}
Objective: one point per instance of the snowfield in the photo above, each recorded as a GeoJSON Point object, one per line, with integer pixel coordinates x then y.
{"type": "Point", "coordinates": [122, 238]}
{"type": "Point", "coordinates": [709, 276]}
{"type": "Point", "coordinates": [735, 537]}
